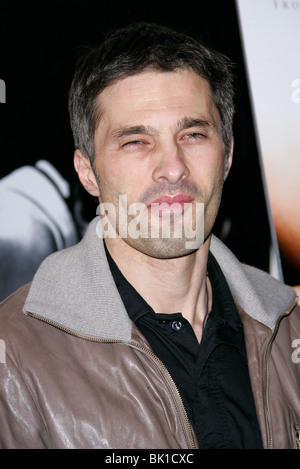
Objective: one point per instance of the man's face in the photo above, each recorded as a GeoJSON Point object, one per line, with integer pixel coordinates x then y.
{"type": "Point", "coordinates": [159, 142]}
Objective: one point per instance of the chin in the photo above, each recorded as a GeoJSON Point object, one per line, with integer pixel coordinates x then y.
{"type": "Point", "coordinates": [170, 248]}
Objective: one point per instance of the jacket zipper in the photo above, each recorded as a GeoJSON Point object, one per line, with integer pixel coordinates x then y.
{"type": "Point", "coordinates": [297, 435]}
{"type": "Point", "coordinates": [266, 378]}
{"type": "Point", "coordinates": [187, 428]}
{"type": "Point", "coordinates": [186, 425]}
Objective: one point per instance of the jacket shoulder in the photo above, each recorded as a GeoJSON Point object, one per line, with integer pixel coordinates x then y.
{"type": "Point", "coordinates": [15, 301]}
{"type": "Point", "coordinates": [11, 315]}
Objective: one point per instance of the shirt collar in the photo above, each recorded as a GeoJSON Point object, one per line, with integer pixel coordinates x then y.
{"type": "Point", "coordinates": [223, 302]}
{"type": "Point", "coordinates": [136, 306]}
{"type": "Point", "coordinates": [134, 303]}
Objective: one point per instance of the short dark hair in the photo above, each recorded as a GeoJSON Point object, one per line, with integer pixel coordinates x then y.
{"type": "Point", "coordinates": [131, 50]}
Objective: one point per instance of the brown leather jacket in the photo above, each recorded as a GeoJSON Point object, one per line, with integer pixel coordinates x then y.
{"type": "Point", "coordinates": [76, 373]}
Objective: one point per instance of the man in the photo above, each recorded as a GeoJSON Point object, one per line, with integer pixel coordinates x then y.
{"type": "Point", "coordinates": [149, 333]}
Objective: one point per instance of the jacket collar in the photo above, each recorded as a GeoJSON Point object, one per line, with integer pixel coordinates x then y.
{"type": "Point", "coordinates": [262, 296]}
{"type": "Point", "coordinates": [74, 288]}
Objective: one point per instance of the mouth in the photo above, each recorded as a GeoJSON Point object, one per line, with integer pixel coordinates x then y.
{"type": "Point", "coordinates": [170, 203]}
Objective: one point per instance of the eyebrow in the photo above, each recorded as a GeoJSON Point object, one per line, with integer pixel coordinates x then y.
{"type": "Point", "coordinates": [189, 122]}
{"type": "Point", "coordinates": [131, 130]}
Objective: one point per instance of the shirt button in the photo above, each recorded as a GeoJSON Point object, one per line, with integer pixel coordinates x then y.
{"type": "Point", "coordinates": [176, 325]}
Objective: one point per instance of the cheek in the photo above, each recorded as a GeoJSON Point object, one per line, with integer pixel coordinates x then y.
{"type": "Point", "coordinates": [116, 180]}
{"type": "Point", "coordinates": [208, 173]}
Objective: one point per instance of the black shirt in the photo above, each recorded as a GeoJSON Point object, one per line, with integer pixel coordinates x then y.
{"type": "Point", "coordinates": [212, 377]}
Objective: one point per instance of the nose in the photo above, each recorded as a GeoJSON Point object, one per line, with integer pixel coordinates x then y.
{"type": "Point", "coordinates": [170, 165]}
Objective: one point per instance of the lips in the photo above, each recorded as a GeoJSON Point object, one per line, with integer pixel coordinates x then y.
{"type": "Point", "coordinates": [170, 203]}
{"type": "Point", "coordinates": [176, 199]}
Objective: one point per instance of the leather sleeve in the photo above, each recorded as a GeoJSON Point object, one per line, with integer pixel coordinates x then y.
{"type": "Point", "coordinates": [21, 425]}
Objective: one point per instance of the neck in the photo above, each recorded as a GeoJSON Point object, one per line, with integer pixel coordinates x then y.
{"type": "Point", "coordinates": [168, 285]}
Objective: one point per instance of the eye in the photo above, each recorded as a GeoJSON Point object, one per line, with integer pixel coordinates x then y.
{"type": "Point", "coordinates": [139, 145]}
{"type": "Point", "coordinates": [132, 143]}
{"type": "Point", "coordinates": [194, 137]}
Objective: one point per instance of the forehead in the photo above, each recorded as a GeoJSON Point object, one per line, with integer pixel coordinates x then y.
{"type": "Point", "coordinates": [153, 95]}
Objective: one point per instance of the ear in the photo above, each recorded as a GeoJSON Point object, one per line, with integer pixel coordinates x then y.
{"type": "Point", "coordinates": [229, 160]}
{"type": "Point", "coordinates": [85, 173]}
